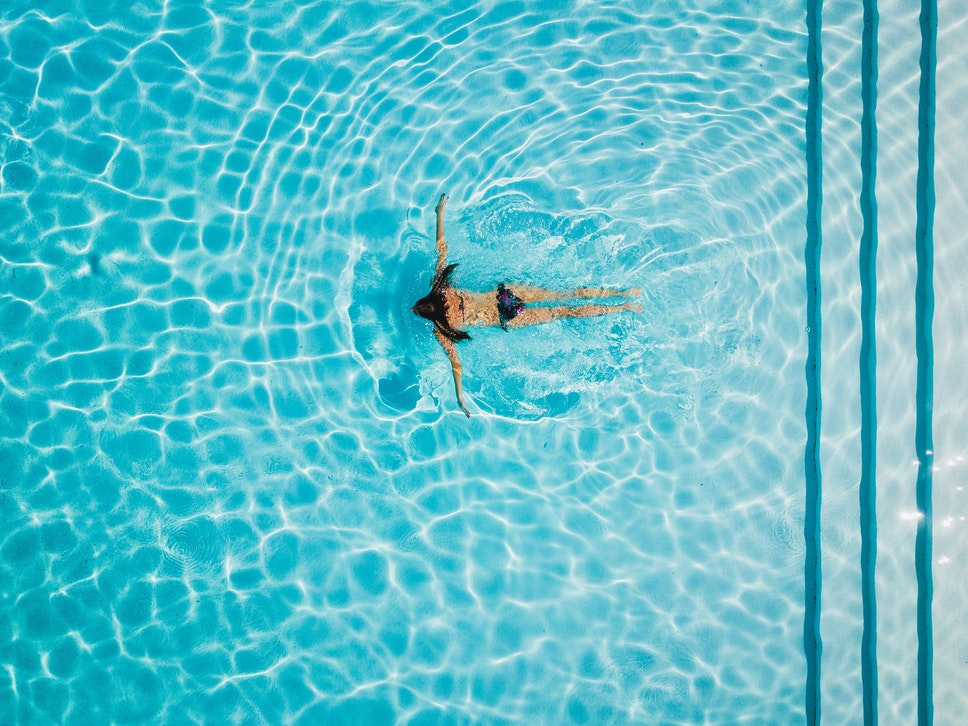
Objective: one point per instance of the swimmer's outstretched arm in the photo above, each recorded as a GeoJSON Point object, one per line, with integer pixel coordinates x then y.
{"type": "Point", "coordinates": [448, 345]}
{"type": "Point", "coordinates": [441, 242]}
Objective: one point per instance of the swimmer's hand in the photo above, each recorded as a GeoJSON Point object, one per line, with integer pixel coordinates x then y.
{"type": "Point", "coordinates": [441, 203]}
{"type": "Point", "coordinates": [458, 376]}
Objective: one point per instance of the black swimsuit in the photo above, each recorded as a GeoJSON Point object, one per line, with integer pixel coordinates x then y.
{"type": "Point", "coordinates": [508, 305]}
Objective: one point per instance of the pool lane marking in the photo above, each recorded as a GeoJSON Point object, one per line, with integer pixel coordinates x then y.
{"type": "Point", "coordinates": [812, 644]}
{"type": "Point", "coordinates": [924, 344]}
{"type": "Point", "coordinates": [868, 362]}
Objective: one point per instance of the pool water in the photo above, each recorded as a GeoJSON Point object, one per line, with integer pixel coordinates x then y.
{"type": "Point", "coordinates": [235, 481]}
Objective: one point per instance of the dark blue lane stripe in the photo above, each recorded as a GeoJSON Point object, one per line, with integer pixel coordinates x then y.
{"type": "Point", "coordinates": [868, 361]}
{"type": "Point", "coordinates": [924, 316]}
{"type": "Point", "coordinates": [812, 644]}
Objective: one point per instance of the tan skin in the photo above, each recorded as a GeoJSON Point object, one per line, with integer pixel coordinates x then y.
{"type": "Point", "coordinates": [466, 309]}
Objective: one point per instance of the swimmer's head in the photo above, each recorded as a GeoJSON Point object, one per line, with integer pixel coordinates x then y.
{"type": "Point", "coordinates": [433, 306]}
{"type": "Point", "coordinates": [429, 306]}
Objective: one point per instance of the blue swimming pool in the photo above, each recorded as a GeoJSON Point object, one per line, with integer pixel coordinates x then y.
{"type": "Point", "coordinates": [234, 479]}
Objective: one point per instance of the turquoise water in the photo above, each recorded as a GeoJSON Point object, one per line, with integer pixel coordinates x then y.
{"type": "Point", "coordinates": [236, 486]}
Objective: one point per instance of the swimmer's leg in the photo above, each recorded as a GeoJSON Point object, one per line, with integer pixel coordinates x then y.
{"type": "Point", "coordinates": [530, 294]}
{"type": "Point", "coordinates": [536, 316]}
{"type": "Point", "coordinates": [597, 292]}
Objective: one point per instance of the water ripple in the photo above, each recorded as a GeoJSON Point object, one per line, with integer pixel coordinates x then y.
{"type": "Point", "coordinates": [195, 543]}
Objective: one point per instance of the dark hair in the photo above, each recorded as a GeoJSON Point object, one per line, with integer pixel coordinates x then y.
{"type": "Point", "coordinates": [433, 305]}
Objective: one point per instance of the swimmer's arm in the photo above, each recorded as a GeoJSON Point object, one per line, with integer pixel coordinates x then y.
{"type": "Point", "coordinates": [448, 345]}
{"type": "Point", "coordinates": [441, 242]}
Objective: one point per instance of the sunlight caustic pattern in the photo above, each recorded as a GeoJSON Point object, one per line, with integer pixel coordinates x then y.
{"type": "Point", "coordinates": [232, 477]}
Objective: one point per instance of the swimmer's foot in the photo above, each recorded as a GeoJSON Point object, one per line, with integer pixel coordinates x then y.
{"type": "Point", "coordinates": [441, 203]}
{"type": "Point", "coordinates": [634, 307]}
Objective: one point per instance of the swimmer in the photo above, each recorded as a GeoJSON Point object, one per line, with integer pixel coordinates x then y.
{"type": "Point", "coordinates": [509, 306]}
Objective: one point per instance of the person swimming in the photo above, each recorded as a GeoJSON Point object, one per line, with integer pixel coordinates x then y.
{"type": "Point", "coordinates": [509, 306]}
